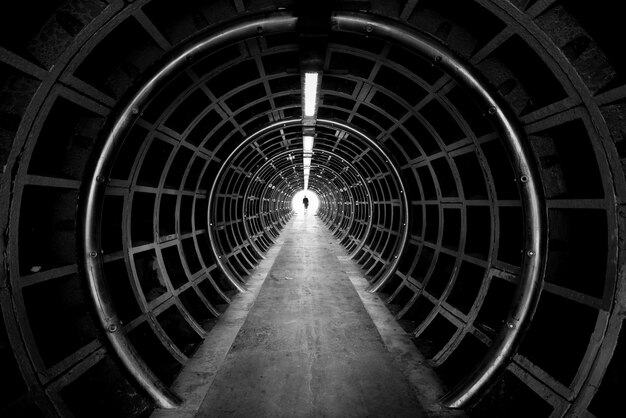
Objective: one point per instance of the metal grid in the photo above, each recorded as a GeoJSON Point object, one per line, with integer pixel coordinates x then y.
{"type": "Point", "coordinates": [457, 274]}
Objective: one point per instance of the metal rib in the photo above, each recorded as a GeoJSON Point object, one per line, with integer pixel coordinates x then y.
{"type": "Point", "coordinates": [527, 293]}
{"type": "Point", "coordinates": [92, 196]}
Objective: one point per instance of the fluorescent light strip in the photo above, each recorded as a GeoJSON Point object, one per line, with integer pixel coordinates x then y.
{"type": "Point", "coordinates": [306, 161]}
{"type": "Point", "coordinates": [308, 143]}
{"type": "Point", "coordinates": [310, 94]}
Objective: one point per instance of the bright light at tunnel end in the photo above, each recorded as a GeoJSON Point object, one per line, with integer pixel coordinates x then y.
{"type": "Point", "coordinates": [298, 207]}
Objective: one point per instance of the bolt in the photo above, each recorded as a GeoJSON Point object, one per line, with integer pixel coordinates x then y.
{"type": "Point", "coordinates": [510, 325]}
{"type": "Point", "coordinates": [492, 110]}
{"type": "Point", "coordinates": [369, 28]}
{"type": "Point", "coordinates": [438, 58]}
{"type": "Point", "coordinates": [100, 179]}
{"type": "Point", "coordinates": [112, 327]}
{"type": "Point", "coordinates": [530, 253]}
{"type": "Point", "coordinates": [93, 254]}
{"type": "Point", "coordinates": [134, 110]}
{"type": "Point", "coordinates": [523, 179]}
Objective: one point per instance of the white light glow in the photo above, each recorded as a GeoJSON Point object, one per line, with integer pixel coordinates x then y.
{"type": "Point", "coordinates": [308, 143]}
{"type": "Point", "coordinates": [306, 161]}
{"type": "Point", "coordinates": [297, 205]}
{"type": "Point", "coordinates": [310, 94]}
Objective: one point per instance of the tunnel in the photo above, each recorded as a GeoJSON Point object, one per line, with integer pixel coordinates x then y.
{"type": "Point", "coordinates": [466, 154]}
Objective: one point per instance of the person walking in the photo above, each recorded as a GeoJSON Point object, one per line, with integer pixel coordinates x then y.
{"type": "Point", "coordinates": [305, 202]}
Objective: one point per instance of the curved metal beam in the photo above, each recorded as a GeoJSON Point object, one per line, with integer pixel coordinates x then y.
{"type": "Point", "coordinates": [282, 154]}
{"type": "Point", "coordinates": [97, 174]}
{"type": "Point", "coordinates": [320, 122]}
{"type": "Point", "coordinates": [92, 195]}
{"type": "Point", "coordinates": [527, 293]}
{"type": "Point", "coordinates": [391, 269]}
{"type": "Point", "coordinates": [218, 177]}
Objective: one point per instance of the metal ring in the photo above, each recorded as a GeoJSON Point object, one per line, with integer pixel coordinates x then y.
{"type": "Point", "coordinates": [331, 124]}
{"type": "Point", "coordinates": [92, 196]}
{"type": "Point", "coordinates": [295, 122]}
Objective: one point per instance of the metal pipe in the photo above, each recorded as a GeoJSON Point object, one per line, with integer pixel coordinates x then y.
{"type": "Point", "coordinates": [286, 124]}
{"type": "Point", "coordinates": [97, 174]}
{"type": "Point", "coordinates": [92, 195]}
{"type": "Point", "coordinates": [527, 293]}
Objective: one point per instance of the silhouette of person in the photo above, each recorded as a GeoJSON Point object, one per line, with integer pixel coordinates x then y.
{"type": "Point", "coordinates": [305, 202]}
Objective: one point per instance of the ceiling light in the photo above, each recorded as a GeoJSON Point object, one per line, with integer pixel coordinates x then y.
{"type": "Point", "coordinates": [310, 94]}
{"type": "Point", "coordinates": [308, 143]}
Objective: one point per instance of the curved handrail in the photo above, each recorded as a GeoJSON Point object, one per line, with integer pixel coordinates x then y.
{"type": "Point", "coordinates": [533, 203]}
{"type": "Point", "coordinates": [97, 174]}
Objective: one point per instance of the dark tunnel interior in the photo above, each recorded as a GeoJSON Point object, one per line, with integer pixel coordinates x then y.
{"type": "Point", "coordinates": [151, 149]}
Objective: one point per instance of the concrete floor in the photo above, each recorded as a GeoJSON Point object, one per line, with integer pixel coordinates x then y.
{"type": "Point", "coordinates": [307, 340]}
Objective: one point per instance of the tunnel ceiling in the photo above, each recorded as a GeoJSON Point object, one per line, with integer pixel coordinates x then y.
{"type": "Point", "coordinates": [414, 179]}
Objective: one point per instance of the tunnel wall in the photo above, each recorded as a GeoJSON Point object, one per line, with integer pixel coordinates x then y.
{"type": "Point", "coordinates": [67, 67]}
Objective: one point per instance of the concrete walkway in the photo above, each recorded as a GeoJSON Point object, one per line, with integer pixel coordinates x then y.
{"type": "Point", "coordinates": [301, 343]}
{"type": "Point", "coordinates": [308, 347]}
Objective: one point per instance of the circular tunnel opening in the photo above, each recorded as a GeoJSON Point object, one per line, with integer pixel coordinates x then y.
{"type": "Point", "coordinates": [248, 198]}
{"type": "Point", "coordinates": [413, 179]}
